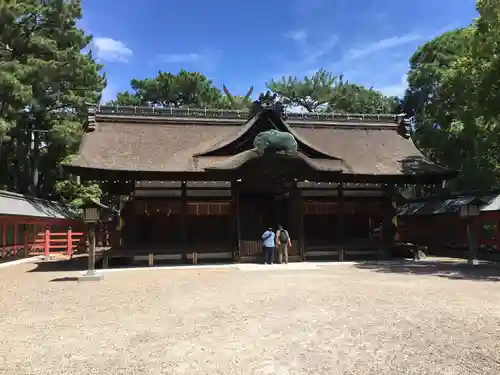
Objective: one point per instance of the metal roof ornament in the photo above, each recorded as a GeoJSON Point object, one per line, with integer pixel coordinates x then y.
{"type": "Point", "coordinates": [238, 104]}
{"type": "Point", "coordinates": [90, 124]}
{"type": "Point", "coordinates": [267, 101]}
{"type": "Point", "coordinates": [404, 128]}
{"type": "Point", "coordinates": [274, 141]}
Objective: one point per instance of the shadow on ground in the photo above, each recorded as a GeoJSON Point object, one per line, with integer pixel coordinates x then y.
{"type": "Point", "coordinates": [81, 264]}
{"type": "Point", "coordinates": [74, 264]}
{"type": "Point", "coordinates": [449, 270]}
{"type": "Point", "coordinates": [64, 279]}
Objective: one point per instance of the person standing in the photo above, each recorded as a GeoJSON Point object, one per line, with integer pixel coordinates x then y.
{"type": "Point", "coordinates": [283, 242]}
{"type": "Point", "coordinates": [268, 239]}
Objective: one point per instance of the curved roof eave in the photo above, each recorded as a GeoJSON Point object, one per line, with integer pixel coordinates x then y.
{"type": "Point", "coordinates": [220, 144]}
{"type": "Point", "coordinates": [249, 125]}
{"type": "Point", "coordinates": [238, 160]}
{"type": "Point", "coordinates": [306, 143]}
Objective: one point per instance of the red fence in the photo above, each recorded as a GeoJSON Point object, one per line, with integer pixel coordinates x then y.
{"type": "Point", "coordinates": [56, 243]}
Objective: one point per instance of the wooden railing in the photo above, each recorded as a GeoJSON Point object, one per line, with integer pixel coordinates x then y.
{"type": "Point", "coordinates": [56, 243]}
{"type": "Point", "coordinates": [239, 114]}
{"type": "Point", "coordinates": [254, 248]}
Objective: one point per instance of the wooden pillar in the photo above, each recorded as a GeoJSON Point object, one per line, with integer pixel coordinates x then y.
{"type": "Point", "coordinates": [106, 235]}
{"type": "Point", "coordinates": [340, 214]}
{"type": "Point", "coordinates": [25, 240]}
{"type": "Point", "coordinates": [121, 222]}
{"type": "Point", "coordinates": [299, 221]}
{"type": "Point", "coordinates": [92, 243]}
{"type": "Point", "coordinates": [105, 260]}
{"type": "Point", "coordinates": [69, 242]}
{"type": "Point", "coordinates": [235, 212]}
{"type": "Point", "coordinates": [184, 220]}
{"type": "Point", "coordinates": [497, 235]}
{"type": "Point", "coordinates": [14, 247]}
{"type": "Point", "coordinates": [471, 241]}
{"type": "Point", "coordinates": [4, 238]}
{"type": "Point", "coordinates": [99, 234]}
{"type": "Point", "coordinates": [125, 226]}
{"type": "Point", "coordinates": [388, 227]}
{"type": "Point", "coordinates": [46, 244]}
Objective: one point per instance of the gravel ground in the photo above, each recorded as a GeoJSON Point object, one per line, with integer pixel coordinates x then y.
{"type": "Point", "coordinates": [331, 320]}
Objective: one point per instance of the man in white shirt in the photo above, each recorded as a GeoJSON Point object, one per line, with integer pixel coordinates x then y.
{"type": "Point", "coordinates": [268, 242]}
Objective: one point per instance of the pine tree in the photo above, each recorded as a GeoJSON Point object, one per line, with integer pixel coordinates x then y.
{"type": "Point", "coordinates": [45, 83]}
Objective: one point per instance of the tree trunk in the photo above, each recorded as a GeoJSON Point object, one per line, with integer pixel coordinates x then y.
{"type": "Point", "coordinates": [35, 153]}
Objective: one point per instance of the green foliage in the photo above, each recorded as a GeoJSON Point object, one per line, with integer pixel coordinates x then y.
{"type": "Point", "coordinates": [311, 93]}
{"type": "Point", "coordinates": [453, 93]}
{"type": "Point", "coordinates": [430, 66]}
{"type": "Point", "coordinates": [236, 102]}
{"type": "Point", "coordinates": [484, 65]}
{"type": "Point", "coordinates": [127, 99]}
{"type": "Point", "coordinates": [323, 90]}
{"type": "Point", "coordinates": [45, 83]}
{"type": "Point", "coordinates": [168, 89]}
{"type": "Point", "coordinates": [75, 195]}
{"type": "Point", "coordinates": [320, 91]}
{"type": "Point", "coordinates": [352, 98]}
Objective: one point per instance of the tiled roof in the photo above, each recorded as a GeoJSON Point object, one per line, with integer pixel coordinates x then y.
{"type": "Point", "coordinates": [435, 206]}
{"type": "Point", "coordinates": [14, 204]}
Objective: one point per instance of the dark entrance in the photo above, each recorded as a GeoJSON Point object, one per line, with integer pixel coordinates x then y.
{"type": "Point", "coordinates": [264, 206]}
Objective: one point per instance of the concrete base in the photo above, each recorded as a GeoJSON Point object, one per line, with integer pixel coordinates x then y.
{"type": "Point", "coordinates": [91, 276]}
{"type": "Point", "coordinates": [473, 262]}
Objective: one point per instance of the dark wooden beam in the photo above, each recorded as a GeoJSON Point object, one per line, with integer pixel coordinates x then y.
{"type": "Point", "coordinates": [323, 176]}
{"type": "Point", "coordinates": [235, 212]}
{"type": "Point", "coordinates": [299, 215]}
{"type": "Point", "coordinates": [178, 188]}
{"type": "Point", "coordinates": [341, 217]}
{"type": "Point", "coordinates": [184, 220]}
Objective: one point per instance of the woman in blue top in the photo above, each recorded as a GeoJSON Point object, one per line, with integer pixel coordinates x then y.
{"type": "Point", "coordinates": [268, 239]}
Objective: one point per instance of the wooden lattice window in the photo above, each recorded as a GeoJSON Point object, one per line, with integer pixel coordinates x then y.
{"type": "Point", "coordinates": [142, 207]}
{"type": "Point", "coordinates": [320, 208]}
{"type": "Point", "coordinates": [209, 208]}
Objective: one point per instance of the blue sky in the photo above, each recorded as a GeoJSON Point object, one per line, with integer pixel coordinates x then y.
{"type": "Point", "coordinates": [243, 43]}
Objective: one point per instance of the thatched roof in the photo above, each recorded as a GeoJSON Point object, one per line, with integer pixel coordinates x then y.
{"type": "Point", "coordinates": [152, 140]}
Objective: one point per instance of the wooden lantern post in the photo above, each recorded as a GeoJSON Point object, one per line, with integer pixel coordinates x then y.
{"type": "Point", "coordinates": [91, 216]}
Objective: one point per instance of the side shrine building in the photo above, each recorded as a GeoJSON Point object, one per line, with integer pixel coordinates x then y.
{"type": "Point", "coordinates": [198, 181]}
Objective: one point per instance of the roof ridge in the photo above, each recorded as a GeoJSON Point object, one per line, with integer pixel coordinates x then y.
{"type": "Point", "coordinates": [241, 114]}
{"type": "Point", "coordinates": [26, 197]}
{"type": "Point", "coordinates": [446, 195]}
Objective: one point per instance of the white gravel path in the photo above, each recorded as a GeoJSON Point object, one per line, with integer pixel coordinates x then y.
{"type": "Point", "coordinates": [323, 320]}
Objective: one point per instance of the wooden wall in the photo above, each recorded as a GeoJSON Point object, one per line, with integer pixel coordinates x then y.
{"type": "Point", "coordinates": [449, 231]}
{"type": "Point", "coordinates": [159, 221]}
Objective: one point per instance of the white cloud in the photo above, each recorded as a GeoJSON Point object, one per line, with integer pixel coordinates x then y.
{"type": "Point", "coordinates": [174, 58]}
{"type": "Point", "coordinates": [111, 50]}
{"type": "Point", "coordinates": [316, 51]}
{"type": "Point", "coordinates": [310, 54]}
{"type": "Point", "coordinates": [298, 36]}
{"type": "Point", "coordinates": [381, 45]}
{"type": "Point", "coordinates": [206, 59]}
{"type": "Point", "coordinates": [109, 93]}
{"type": "Point", "coordinates": [397, 89]}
